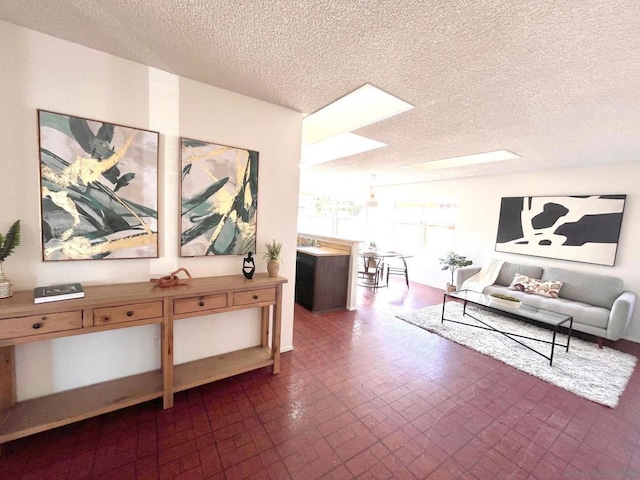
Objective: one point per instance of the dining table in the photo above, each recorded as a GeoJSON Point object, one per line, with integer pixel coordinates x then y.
{"type": "Point", "coordinates": [374, 264]}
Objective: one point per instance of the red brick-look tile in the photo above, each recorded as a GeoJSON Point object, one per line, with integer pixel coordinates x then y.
{"type": "Point", "coordinates": [362, 396]}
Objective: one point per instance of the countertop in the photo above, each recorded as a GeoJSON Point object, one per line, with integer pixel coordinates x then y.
{"type": "Point", "coordinates": [322, 251]}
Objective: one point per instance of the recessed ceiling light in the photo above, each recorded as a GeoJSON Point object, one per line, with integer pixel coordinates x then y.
{"type": "Point", "coordinates": [337, 146]}
{"type": "Point", "coordinates": [363, 106]}
{"type": "Point", "coordinates": [466, 160]}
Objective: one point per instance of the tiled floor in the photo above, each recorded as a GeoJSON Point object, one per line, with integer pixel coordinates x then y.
{"type": "Point", "coordinates": [363, 395]}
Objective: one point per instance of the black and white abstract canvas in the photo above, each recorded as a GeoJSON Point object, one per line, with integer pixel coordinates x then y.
{"type": "Point", "coordinates": [578, 228]}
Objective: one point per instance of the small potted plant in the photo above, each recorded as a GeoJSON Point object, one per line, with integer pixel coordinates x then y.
{"type": "Point", "coordinates": [452, 262]}
{"type": "Point", "coordinates": [8, 243]}
{"type": "Point", "coordinates": [272, 256]}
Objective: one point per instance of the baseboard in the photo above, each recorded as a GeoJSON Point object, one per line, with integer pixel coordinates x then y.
{"type": "Point", "coordinates": [632, 339]}
{"type": "Point", "coordinates": [286, 349]}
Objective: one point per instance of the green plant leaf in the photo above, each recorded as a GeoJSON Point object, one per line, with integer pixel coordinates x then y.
{"type": "Point", "coordinates": [10, 241]}
{"type": "Point", "coordinates": [273, 251]}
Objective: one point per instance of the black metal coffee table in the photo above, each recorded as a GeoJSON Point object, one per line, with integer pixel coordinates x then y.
{"type": "Point", "coordinates": [523, 312]}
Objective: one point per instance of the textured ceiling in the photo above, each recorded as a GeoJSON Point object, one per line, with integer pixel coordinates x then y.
{"type": "Point", "coordinates": [554, 81]}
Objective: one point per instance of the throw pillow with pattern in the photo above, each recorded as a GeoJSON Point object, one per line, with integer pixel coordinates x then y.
{"type": "Point", "coordinates": [522, 283]}
{"type": "Point", "coordinates": [548, 288]}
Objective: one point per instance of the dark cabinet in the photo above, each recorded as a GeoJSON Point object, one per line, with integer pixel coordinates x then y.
{"type": "Point", "coordinates": [322, 281]}
{"type": "Point", "coordinates": [305, 271]}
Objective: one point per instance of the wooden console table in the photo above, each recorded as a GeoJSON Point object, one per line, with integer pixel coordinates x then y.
{"type": "Point", "coordinates": [108, 307]}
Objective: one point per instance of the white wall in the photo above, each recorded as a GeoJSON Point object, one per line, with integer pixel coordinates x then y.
{"type": "Point", "coordinates": [479, 207]}
{"type": "Point", "coordinates": [41, 72]}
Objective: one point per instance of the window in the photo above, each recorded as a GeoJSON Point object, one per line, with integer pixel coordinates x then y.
{"type": "Point", "coordinates": [440, 222]}
{"type": "Point", "coordinates": [404, 225]}
{"type": "Point", "coordinates": [343, 218]}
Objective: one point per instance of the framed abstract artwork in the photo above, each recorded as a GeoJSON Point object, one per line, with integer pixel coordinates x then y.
{"type": "Point", "coordinates": [578, 228]}
{"type": "Point", "coordinates": [99, 189]}
{"type": "Point", "coordinates": [219, 199]}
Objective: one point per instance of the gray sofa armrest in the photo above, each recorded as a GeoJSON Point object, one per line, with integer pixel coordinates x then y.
{"type": "Point", "coordinates": [621, 315]}
{"type": "Point", "coordinates": [463, 273]}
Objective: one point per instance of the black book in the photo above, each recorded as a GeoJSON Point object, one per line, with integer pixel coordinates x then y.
{"type": "Point", "coordinates": [53, 293]}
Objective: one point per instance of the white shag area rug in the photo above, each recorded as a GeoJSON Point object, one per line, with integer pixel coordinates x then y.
{"type": "Point", "coordinates": [599, 375]}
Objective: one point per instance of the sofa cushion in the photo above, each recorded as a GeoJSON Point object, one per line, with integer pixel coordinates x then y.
{"type": "Point", "coordinates": [588, 288]}
{"type": "Point", "coordinates": [509, 270]}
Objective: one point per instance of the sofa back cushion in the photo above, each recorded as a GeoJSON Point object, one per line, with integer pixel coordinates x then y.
{"type": "Point", "coordinates": [598, 290]}
{"type": "Point", "coordinates": [509, 270]}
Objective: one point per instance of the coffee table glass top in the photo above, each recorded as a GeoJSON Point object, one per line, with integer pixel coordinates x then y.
{"type": "Point", "coordinates": [526, 311]}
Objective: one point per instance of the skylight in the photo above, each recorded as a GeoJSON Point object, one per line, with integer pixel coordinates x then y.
{"type": "Point", "coordinates": [466, 160]}
{"type": "Point", "coordinates": [337, 146]}
{"type": "Point", "coordinates": [363, 106]}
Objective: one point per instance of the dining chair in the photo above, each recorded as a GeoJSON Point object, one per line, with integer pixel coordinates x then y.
{"type": "Point", "coordinates": [371, 272]}
{"type": "Point", "coordinates": [399, 270]}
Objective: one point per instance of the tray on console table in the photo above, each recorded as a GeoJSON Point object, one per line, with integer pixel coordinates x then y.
{"type": "Point", "coordinates": [107, 307]}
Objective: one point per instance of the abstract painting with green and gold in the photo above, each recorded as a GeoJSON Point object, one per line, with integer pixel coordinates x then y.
{"type": "Point", "coordinates": [99, 189]}
{"type": "Point", "coordinates": [219, 199]}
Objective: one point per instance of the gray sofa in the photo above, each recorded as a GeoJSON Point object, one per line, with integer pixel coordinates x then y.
{"type": "Point", "coordinates": [598, 303]}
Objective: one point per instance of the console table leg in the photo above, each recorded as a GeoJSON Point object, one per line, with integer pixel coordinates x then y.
{"type": "Point", "coordinates": [264, 327]}
{"type": "Point", "coordinates": [167, 360]}
{"type": "Point", "coordinates": [8, 395]}
{"type": "Point", "coordinates": [277, 326]}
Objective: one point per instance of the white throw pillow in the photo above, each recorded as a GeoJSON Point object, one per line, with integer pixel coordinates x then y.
{"type": "Point", "coordinates": [546, 288]}
{"type": "Point", "coordinates": [522, 283]}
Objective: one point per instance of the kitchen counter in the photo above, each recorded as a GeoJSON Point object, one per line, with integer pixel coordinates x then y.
{"type": "Point", "coordinates": [322, 251]}
{"type": "Point", "coordinates": [328, 246]}
{"type": "Point", "coordinates": [322, 278]}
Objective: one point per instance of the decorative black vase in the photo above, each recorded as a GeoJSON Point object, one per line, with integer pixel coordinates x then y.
{"type": "Point", "coordinates": [248, 267]}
